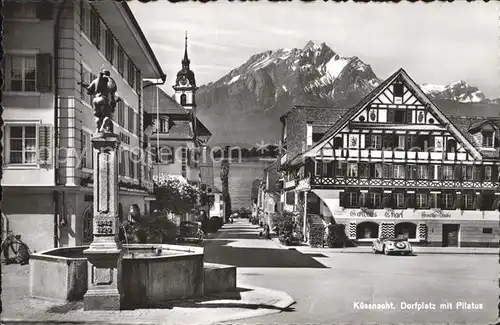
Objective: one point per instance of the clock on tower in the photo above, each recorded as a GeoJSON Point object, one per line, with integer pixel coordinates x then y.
{"type": "Point", "coordinates": [185, 83]}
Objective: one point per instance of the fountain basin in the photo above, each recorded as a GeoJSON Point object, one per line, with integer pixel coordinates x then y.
{"type": "Point", "coordinates": [149, 274]}
{"type": "Point", "coordinates": [59, 273]}
{"type": "Point", "coordinates": [149, 279]}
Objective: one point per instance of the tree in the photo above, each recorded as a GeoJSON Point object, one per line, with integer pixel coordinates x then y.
{"type": "Point", "coordinates": [175, 195]}
{"type": "Point", "coordinates": [224, 176]}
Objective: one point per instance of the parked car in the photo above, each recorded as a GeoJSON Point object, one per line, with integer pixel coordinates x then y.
{"type": "Point", "coordinates": [392, 245]}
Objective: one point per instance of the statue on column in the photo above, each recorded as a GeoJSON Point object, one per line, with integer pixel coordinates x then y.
{"type": "Point", "coordinates": [103, 88]}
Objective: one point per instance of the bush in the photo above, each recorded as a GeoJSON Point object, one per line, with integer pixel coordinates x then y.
{"type": "Point", "coordinates": [337, 237]}
{"type": "Point", "coordinates": [153, 229]}
{"type": "Point", "coordinates": [286, 228]}
{"type": "Point", "coordinates": [244, 213]}
{"type": "Point", "coordinates": [316, 235]}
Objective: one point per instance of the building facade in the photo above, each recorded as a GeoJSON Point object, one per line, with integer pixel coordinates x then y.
{"type": "Point", "coordinates": [395, 165]}
{"type": "Point", "coordinates": [50, 49]}
{"type": "Point", "coordinates": [176, 137]}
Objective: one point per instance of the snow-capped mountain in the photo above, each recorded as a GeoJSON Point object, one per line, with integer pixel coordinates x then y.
{"type": "Point", "coordinates": [458, 91]}
{"type": "Point", "coordinates": [245, 104]}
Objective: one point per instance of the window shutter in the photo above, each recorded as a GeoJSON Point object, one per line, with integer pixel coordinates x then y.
{"type": "Point", "coordinates": [342, 199]}
{"type": "Point", "coordinates": [494, 173]}
{"type": "Point", "coordinates": [138, 81]}
{"type": "Point", "coordinates": [368, 140]}
{"type": "Point", "coordinates": [478, 200]}
{"type": "Point", "coordinates": [458, 173]}
{"type": "Point", "coordinates": [344, 169]}
{"type": "Point", "coordinates": [458, 203]}
{"type": "Point", "coordinates": [480, 173]}
{"type": "Point", "coordinates": [440, 175]}
{"type": "Point", "coordinates": [439, 201]}
{"type": "Point", "coordinates": [109, 46]}
{"type": "Point", "coordinates": [44, 72]}
{"type": "Point", "coordinates": [410, 200]}
{"type": "Point", "coordinates": [429, 200]}
{"type": "Point", "coordinates": [44, 10]}
{"type": "Point", "coordinates": [45, 145]}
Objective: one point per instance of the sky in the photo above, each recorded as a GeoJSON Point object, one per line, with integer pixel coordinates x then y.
{"type": "Point", "coordinates": [435, 43]}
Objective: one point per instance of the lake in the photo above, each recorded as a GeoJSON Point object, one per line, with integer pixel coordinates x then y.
{"type": "Point", "coordinates": [241, 176]}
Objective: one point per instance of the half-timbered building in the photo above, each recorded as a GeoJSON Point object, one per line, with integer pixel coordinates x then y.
{"type": "Point", "coordinates": [395, 165]}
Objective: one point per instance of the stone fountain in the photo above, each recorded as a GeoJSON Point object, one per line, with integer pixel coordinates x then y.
{"type": "Point", "coordinates": [108, 275]}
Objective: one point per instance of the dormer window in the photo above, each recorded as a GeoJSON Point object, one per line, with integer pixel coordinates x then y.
{"type": "Point", "coordinates": [487, 139]}
{"type": "Point", "coordinates": [163, 125]}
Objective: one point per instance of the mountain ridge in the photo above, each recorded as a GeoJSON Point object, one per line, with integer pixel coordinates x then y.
{"type": "Point", "coordinates": [244, 106]}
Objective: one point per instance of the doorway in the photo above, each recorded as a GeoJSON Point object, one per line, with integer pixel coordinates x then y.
{"type": "Point", "coordinates": [450, 235]}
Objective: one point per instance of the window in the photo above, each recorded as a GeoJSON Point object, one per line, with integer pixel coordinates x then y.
{"type": "Point", "coordinates": [87, 77]}
{"type": "Point", "coordinates": [451, 145]}
{"type": "Point", "coordinates": [376, 141]}
{"type": "Point", "coordinates": [363, 199]}
{"type": "Point", "coordinates": [388, 173]}
{"type": "Point", "coordinates": [398, 90]}
{"type": "Point", "coordinates": [399, 200]}
{"type": "Point", "coordinates": [400, 116]}
{"type": "Point", "coordinates": [131, 122]}
{"type": "Point", "coordinates": [95, 28]}
{"type": "Point", "coordinates": [352, 199]}
{"type": "Point", "coordinates": [21, 72]}
{"type": "Point", "coordinates": [468, 201]}
{"type": "Point", "coordinates": [487, 173]}
{"type": "Point", "coordinates": [103, 39]}
{"type": "Point", "coordinates": [399, 171]}
{"type": "Point", "coordinates": [487, 230]}
{"type": "Point", "coordinates": [22, 144]}
{"type": "Point", "coordinates": [290, 198]}
{"type": "Point", "coordinates": [433, 200]}
{"type": "Point", "coordinates": [131, 165]}
{"type": "Point", "coordinates": [183, 99]}
{"type": "Point", "coordinates": [421, 200]}
{"type": "Point", "coordinates": [447, 200]}
{"type": "Point", "coordinates": [422, 172]}
{"type": "Point", "coordinates": [488, 139]}
{"type": "Point", "coordinates": [110, 46]}
{"type": "Point", "coordinates": [130, 72]}
{"type": "Point", "coordinates": [121, 163]}
{"type": "Point", "coordinates": [121, 60]}
{"type": "Point", "coordinates": [317, 136]}
{"type": "Point", "coordinates": [84, 18]}
{"type": "Point", "coordinates": [376, 171]}
{"type": "Point", "coordinates": [374, 199]}
{"type": "Point", "coordinates": [468, 173]}
{"type": "Point", "coordinates": [447, 172]}
{"type": "Point", "coordinates": [87, 157]}
{"type": "Point", "coordinates": [338, 143]}
{"type": "Point", "coordinates": [352, 170]}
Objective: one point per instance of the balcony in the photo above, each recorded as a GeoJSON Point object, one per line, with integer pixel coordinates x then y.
{"type": "Point", "coordinates": [342, 182]}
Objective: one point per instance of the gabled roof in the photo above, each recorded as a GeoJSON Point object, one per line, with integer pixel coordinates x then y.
{"type": "Point", "coordinates": [354, 109]}
{"type": "Point", "coordinates": [167, 105]}
{"type": "Point", "coordinates": [418, 93]}
{"type": "Point", "coordinates": [465, 124]}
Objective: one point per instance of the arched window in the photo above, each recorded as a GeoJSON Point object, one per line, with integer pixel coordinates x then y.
{"type": "Point", "coordinates": [88, 225]}
{"type": "Point", "coordinates": [183, 99]}
{"type": "Point", "coordinates": [367, 229]}
{"type": "Point", "coordinates": [406, 230]}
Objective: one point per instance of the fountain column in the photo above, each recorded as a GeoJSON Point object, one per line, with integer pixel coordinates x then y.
{"type": "Point", "coordinates": [104, 251]}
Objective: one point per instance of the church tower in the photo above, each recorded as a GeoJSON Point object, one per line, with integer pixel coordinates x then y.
{"type": "Point", "coordinates": [185, 84]}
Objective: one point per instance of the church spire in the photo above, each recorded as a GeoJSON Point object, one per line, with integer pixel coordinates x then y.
{"type": "Point", "coordinates": [185, 61]}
